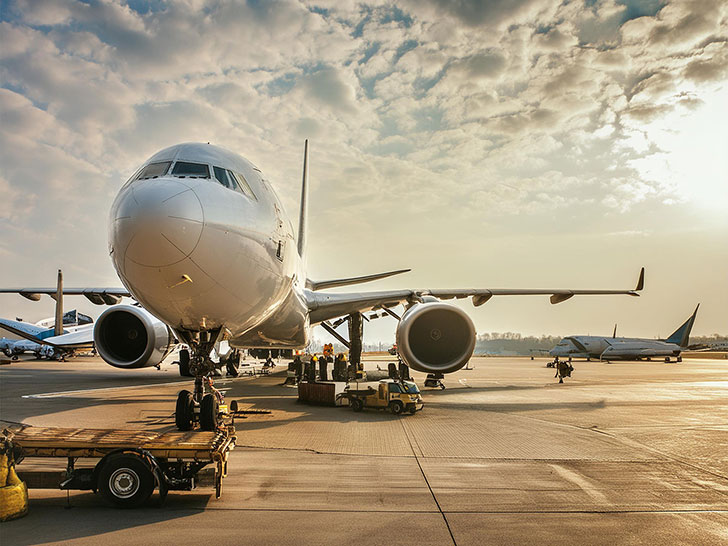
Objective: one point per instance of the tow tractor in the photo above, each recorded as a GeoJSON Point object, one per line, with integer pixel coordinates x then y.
{"type": "Point", "coordinates": [395, 395]}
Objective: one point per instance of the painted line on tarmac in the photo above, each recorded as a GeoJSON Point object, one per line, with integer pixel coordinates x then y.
{"type": "Point", "coordinates": [61, 394]}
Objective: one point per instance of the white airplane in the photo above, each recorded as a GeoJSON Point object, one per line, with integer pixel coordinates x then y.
{"type": "Point", "coordinates": [625, 348]}
{"type": "Point", "coordinates": [54, 337]}
{"type": "Point", "coordinates": [199, 238]}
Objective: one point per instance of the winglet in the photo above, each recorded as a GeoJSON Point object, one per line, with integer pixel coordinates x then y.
{"type": "Point", "coordinates": [303, 214]}
{"type": "Point", "coordinates": [641, 281]}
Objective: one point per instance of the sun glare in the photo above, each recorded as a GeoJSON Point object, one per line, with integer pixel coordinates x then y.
{"type": "Point", "coordinates": [693, 157]}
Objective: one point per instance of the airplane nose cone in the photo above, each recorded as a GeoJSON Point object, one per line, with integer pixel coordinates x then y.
{"type": "Point", "coordinates": [157, 222]}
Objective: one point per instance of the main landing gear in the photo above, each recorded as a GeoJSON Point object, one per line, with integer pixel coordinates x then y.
{"type": "Point", "coordinates": [434, 380]}
{"type": "Point", "coordinates": [203, 405]}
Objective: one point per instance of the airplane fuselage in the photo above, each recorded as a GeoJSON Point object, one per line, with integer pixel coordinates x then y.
{"type": "Point", "coordinates": [608, 348]}
{"type": "Point", "coordinates": [200, 239]}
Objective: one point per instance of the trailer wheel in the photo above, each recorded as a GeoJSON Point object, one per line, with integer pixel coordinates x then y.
{"type": "Point", "coordinates": [357, 404]}
{"type": "Point", "coordinates": [208, 412]}
{"type": "Point", "coordinates": [396, 407]}
{"type": "Point", "coordinates": [126, 480]}
{"type": "Point", "coordinates": [185, 411]}
{"type": "Point", "coordinates": [184, 363]}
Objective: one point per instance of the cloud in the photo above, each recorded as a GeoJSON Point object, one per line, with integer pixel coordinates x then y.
{"type": "Point", "coordinates": [420, 113]}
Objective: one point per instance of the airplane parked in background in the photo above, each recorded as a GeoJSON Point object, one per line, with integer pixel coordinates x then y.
{"type": "Point", "coordinates": [624, 348]}
{"type": "Point", "coordinates": [199, 238]}
{"type": "Point", "coordinates": [54, 337]}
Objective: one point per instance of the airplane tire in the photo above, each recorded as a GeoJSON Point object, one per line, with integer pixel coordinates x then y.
{"type": "Point", "coordinates": [184, 363]}
{"type": "Point", "coordinates": [184, 411]}
{"type": "Point", "coordinates": [126, 480]}
{"type": "Point", "coordinates": [14, 357]}
{"type": "Point", "coordinates": [208, 412]}
{"type": "Point", "coordinates": [356, 404]}
{"type": "Point", "coordinates": [679, 359]}
{"type": "Point", "coordinates": [396, 407]}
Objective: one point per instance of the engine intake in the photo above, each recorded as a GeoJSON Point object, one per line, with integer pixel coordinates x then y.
{"type": "Point", "coordinates": [435, 337]}
{"type": "Point", "coordinates": [130, 337]}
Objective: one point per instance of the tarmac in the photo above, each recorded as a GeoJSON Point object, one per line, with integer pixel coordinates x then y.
{"type": "Point", "coordinates": [621, 453]}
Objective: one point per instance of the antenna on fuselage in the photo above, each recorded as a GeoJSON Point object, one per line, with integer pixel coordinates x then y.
{"type": "Point", "coordinates": [303, 215]}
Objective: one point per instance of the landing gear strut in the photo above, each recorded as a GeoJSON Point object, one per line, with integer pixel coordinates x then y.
{"type": "Point", "coordinates": [434, 380]}
{"type": "Point", "coordinates": [199, 406]}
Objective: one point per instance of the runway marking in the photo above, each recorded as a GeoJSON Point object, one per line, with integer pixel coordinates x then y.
{"type": "Point", "coordinates": [583, 483]}
{"type": "Point", "coordinates": [61, 394]}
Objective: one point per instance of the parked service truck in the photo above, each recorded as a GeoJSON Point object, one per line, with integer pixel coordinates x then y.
{"type": "Point", "coordinates": [394, 395]}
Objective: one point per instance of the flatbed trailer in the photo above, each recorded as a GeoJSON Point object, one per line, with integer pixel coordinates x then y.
{"type": "Point", "coordinates": [132, 463]}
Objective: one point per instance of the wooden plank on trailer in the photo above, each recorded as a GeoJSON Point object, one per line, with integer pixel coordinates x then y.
{"type": "Point", "coordinates": [69, 438]}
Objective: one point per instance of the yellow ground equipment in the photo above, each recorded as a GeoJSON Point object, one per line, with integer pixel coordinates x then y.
{"type": "Point", "coordinates": [13, 492]}
{"type": "Point", "coordinates": [391, 394]}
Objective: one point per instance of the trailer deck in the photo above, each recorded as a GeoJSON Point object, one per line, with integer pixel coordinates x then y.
{"type": "Point", "coordinates": [132, 462]}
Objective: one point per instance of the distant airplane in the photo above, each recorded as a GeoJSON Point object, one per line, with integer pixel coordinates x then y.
{"type": "Point", "coordinates": [15, 347]}
{"type": "Point", "coordinates": [53, 337]}
{"type": "Point", "coordinates": [199, 238]}
{"type": "Point", "coordinates": [624, 348]}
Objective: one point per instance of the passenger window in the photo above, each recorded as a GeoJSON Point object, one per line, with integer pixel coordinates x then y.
{"type": "Point", "coordinates": [225, 179]}
{"type": "Point", "coordinates": [244, 186]}
{"type": "Point", "coordinates": [196, 170]}
{"type": "Point", "coordinates": [153, 170]}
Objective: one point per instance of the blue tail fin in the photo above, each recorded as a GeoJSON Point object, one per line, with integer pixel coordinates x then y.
{"type": "Point", "coordinates": [681, 336]}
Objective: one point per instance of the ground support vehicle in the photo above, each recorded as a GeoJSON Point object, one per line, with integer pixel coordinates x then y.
{"type": "Point", "coordinates": [131, 463]}
{"type": "Point", "coordinates": [390, 394]}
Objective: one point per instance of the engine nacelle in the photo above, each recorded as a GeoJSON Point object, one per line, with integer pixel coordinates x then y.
{"type": "Point", "coordinates": [131, 337]}
{"type": "Point", "coordinates": [435, 337]}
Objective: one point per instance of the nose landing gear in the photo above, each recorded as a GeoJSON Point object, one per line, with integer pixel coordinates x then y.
{"type": "Point", "coordinates": [206, 408]}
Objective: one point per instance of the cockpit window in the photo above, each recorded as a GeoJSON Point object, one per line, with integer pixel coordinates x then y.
{"type": "Point", "coordinates": [233, 181]}
{"type": "Point", "coordinates": [154, 170]}
{"type": "Point", "coordinates": [244, 186]}
{"type": "Point", "coordinates": [225, 178]}
{"type": "Point", "coordinates": [197, 170]}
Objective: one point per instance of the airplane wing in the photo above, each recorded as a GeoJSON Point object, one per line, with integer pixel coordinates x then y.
{"type": "Point", "coordinates": [29, 331]}
{"type": "Point", "coordinates": [323, 306]}
{"type": "Point", "coordinates": [320, 285]}
{"type": "Point", "coordinates": [99, 296]}
{"type": "Point", "coordinates": [82, 338]}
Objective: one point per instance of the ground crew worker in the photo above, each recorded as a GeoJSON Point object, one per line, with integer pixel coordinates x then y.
{"type": "Point", "coordinates": [563, 369]}
{"type": "Point", "coordinates": [298, 367]}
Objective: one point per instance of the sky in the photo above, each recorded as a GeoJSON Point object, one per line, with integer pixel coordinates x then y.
{"type": "Point", "coordinates": [500, 144]}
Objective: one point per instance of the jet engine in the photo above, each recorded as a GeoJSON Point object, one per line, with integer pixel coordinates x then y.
{"type": "Point", "coordinates": [131, 337]}
{"type": "Point", "coordinates": [435, 337]}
